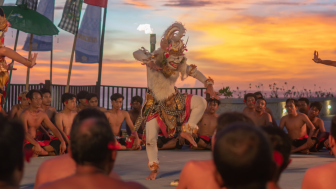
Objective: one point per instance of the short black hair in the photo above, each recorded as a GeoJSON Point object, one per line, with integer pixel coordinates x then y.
{"type": "Point", "coordinates": [258, 93]}
{"type": "Point", "coordinates": [44, 90]}
{"type": "Point", "coordinates": [214, 100]}
{"type": "Point", "coordinates": [116, 96]}
{"type": "Point", "coordinates": [91, 95]}
{"type": "Point", "coordinates": [82, 95]}
{"type": "Point", "coordinates": [304, 99]}
{"type": "Point", "coordinates": [11, 148]}
{"type": "Point", "coordinates": [295, 102]}
{"type": "Point", "coordinates": [228, 118]}
{"type": "Point", "coordinates": [261, 98]}
{"type": "Point", "coordinates": [243, 156]}
{"type": "Point", "coordinates": [249, 95]}
{"type": "Point", "coordinates": [318, 105]}
{"type": "Point", "coordinates": [333, 127]}
{"type": "Point", "coordinates": [137, 99]}
{"type": "Point", "coordinates": [89, 113]}
{"type": "Point", "coordinates": [31, 93]}
{"type": "Point", "coordinates": [67, 96]}
{"type": "Point", "coordinates": [281, 142]}
{"type": "Point", "coordinates": [89, 142]}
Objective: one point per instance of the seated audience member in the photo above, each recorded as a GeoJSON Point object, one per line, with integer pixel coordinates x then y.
{"type": "Point", "coordinates": [46, 104]}
{"type": "Point", "coordinates": [259, 116]}
{"type": "Point", "coordinates": [82, 102]}
{"type": "Point", "coordinates": [11, 153]}
{"type": "Point", "coordinates": [136, 104]}
{"type": "Point", "coordinates": [64, 166]}
{"type": "Point", "coordinates": [295, 124]}
{"type": "Point", "coordinates": [92, 99]}
{"type": "Point", "coordinates": [281, 145]}
{"type": "Point", "coordinates": [94, 152]}
{"type": "Point", "coordinates": [320, 132]}
{"type": "Point", "coordinates": [259, 95]}
{"type": "Point", "coordinates": [243, 157]}
{"type": "Point", "coordinates": [65, 117]}
{"type": "Point", "coordinates": [201, 174]}
{"type": "Point", "coordinates": [207, 126]}
{"type": "Point", "coordinates": [32, 118]}
{"type": "Point", "coordinates": [18, 108]}
{"type": "Point", "coordinates": [303, 105]}
{"type": "Point", "coordinates": [249, 100]}
{"type": "Point", "coordinates": [323, 176]}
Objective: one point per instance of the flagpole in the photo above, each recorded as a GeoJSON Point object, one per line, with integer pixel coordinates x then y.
{"type": "Point", "coordinates": [10, 73]}
{"type": "Point", "coordinates": [71, 61]}
{"type": "Point", "coordinates": [51, 53]}
{"type": "Point", "coordinates": [101, 51]}
{"type": "Point", "coordinates": [29, 56]}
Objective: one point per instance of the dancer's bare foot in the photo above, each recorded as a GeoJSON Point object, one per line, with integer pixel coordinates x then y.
{"type": "Point", "coordinates": [189, 138]}
{"type": "Point", "coordinates": [152, 175]}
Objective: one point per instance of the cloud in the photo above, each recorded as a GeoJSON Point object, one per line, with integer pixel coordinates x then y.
{"type": "Point", "coordinates": [138, 4]}
{"type": "Point", "coordinates": [188, 3]}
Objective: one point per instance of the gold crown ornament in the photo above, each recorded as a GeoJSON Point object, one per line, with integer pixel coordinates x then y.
{"type": "Point", "coordinates": [172, 42]}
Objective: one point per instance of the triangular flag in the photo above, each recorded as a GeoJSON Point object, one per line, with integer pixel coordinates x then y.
{"type": "Point", "coordinates": [99, 3]}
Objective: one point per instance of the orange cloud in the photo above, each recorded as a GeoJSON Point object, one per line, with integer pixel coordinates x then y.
{"type": "Point", "coordinates": [138, 4]}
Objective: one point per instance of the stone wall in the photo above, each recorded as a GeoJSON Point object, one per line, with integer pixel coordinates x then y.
{"type": "Point", "coordinates": [277, 105]}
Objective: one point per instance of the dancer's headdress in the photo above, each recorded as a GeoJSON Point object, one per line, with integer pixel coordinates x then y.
{"type": "Point", "coordinates": [172, 42]}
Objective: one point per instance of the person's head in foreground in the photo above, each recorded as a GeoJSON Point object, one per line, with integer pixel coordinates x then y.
{"type": "Point", "coordinates": [23, 99]}
{"type": "Point", "coordinates": [117, 101]}
{"type": "Point", "coordinates": [92, 98]}
{"type": "Point", "coordinates": [249, 100]}
{"type": "Point", "coordinates": [260, 105]}
{"type": "Point", "coordinates": [69, 101]}
{"type": "Point", "coordinates": [303, 105]}
{"type": "Point", "coordinates": [34, 98]}
{"type": "Point", "coordinates": [315, 109]}
{"type": "Point", "coordinates": [258, 95]}
{"type": "Point", "coordinates": [81, 97]}
{"type": "Point", "coordinates": [11, 156]}
{"type": "Point", "coordinates": [46, 96]}
{"type": "Point", "coordinates": [281, 144]}
{"type": "Point", "coordinates": [213, 105]}
{"type": "Point", "coordinates": [243, 157]}
{"type": "Point", "coordinates": [136, 102]}
{"type": "Point", "coordinates": [291, 106]}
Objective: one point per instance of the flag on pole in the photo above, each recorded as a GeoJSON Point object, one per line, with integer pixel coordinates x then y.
{"type": "Point", "coordinates": [42, 43]}
{"type": "Point", "coordinates": [88, 37]}
{"type": "Point", "coordinates": [99, 3]}
{"type": "Point", "coordinates": [71, 16]}
{"type": "Point", "coordinates": [31, 4]}
{"type": "Point", "coordinates": [1, 2]}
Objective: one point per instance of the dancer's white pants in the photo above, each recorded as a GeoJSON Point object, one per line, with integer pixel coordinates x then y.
{"type": "Point", "coordinates": [197, 106]}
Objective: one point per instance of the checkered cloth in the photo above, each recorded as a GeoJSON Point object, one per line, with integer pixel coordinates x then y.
{"type": "Point", "coordinates": [71, 16]}
{"type": "Point", "coordinates": [31, 4]}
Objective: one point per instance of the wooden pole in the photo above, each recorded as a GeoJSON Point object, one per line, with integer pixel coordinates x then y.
{"type": "Point", "coordinates": [71, 61]}
{"type": "Point", "coordinates": [101, 54]}
{"type": "Point", "coordinates": [29, 56]}
{"type": "Point", "coordinates": [51, 53]}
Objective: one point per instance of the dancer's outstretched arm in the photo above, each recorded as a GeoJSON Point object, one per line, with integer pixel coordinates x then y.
{"type": "Point", "coordinates": [326, 62]}
{"type": "Point", "coordinates": [7, 52]}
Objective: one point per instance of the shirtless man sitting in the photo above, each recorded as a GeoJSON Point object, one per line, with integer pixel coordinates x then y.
{"type": "Point", "coordinates": [303, 105]}
{"type": "Point", "coordinates": [115, 117]}
{"type": "Point", "coordinates": [18, 108]}
{"type": "Point", "coordinates": [64, 166]}
{"type": "Point", "coordinates": [207, 126]}
{"type": "Point", "coordinates": [260, 117]}
{"type": "Point", "coordinates": [267, 110]}
{"type": "Point", "coordinates": [136, 104]}
{"type": "Point", "coordinates": [295, 124]}
{"type": "Point", "coordinates": [201, 174]}
{"type": "Point", "coordinates": [249, 100]}
{"type": "Point", "coordinates": [92, 99]}
{"type": "Point", "coordinates": [320, 132]}
{"type": "Point", "coordinates": [92, 136]}
{"type": "Point", "coordinates": [323, 176]}
{"type": "Point", "coordinates": [65, 118]}
{"type": "Point", "coordinates": [46, 104]}
{"type": "Point", "coordinates": [82, 102]}
{"type": "Point", "coordinates": [32, 118]}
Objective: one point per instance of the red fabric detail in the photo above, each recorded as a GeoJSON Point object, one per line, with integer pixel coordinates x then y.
{"type": "Point", "coordinates": [151, 117]}
{"type": "Point", "coordinates": [41, 143]}
{"type": "Point", "coordinates": [130, 141]}
{"type": "Point", "coordinates": [28, 154]}
{"type": "Point", "coordinates": [98, 3]}
{"type": "Point", "coordinates": [52, 138]}
{"type": "Point", "coordinates": [113, 146]}
{"type": "Point", "coordinates": [277, 157]}
{"type": "Point", "coordinates": [187, 107]}
{"type": "Point", "coordinates": [304, 137]}
{"type": "Point", "coordinates": [207, 138]}
{"type": "Point", "coordinates": [162, 125]}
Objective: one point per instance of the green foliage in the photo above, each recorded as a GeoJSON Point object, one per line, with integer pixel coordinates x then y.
{"type": "Point", "coordinates": [226, 92]}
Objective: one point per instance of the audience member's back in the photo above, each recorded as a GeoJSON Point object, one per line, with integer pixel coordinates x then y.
{"type": "Point", "coordinates": [323, 177]}
{"type": "Point", "coordinates": [11, 153]}
{"type": "Point", "coordinates": [201, 174]}
{"type": "Point", "coordinates": [93, 150]}
{"type": "Point", "coordinates": [243, 157]}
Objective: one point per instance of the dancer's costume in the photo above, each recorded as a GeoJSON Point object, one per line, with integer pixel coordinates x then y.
{"type": "Point", "coordinates": [165, 107]}
{"type": "Point", "coordinates": [3, 71]}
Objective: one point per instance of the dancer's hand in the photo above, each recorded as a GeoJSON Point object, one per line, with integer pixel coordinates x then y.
{"type": "Point", "coordinates": [62, 148]}
{"type": "Point", "coordinates": [9, 66]}
{"type": "Point", "coordinates": [212, 92]}
{"type": "Point", "coordinates": [37, 149]}
{"type": "Point", "coordinates": [33, 61]}
{"type": "Point", "coordinates": [316, 58]}
{"type": "Point", "coordinates": [153, 66]}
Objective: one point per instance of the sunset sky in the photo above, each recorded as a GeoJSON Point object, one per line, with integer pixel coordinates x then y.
{"type": "Point", "coordinates": [236, 42]}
